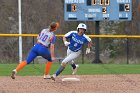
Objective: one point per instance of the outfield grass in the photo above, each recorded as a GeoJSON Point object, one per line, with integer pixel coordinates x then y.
{"type": "Point", "coordinates": [84, 69]}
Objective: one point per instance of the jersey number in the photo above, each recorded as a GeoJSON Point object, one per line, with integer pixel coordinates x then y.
{"type": "Point", "coordinates": [43, 37]}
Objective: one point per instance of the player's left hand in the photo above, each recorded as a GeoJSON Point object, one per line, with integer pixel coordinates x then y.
{"type": "Point", "coordinates": [87, 50]}
{"type": "Point", "coordinates": [53, 58]}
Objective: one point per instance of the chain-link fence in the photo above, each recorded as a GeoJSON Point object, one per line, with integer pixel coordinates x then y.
{"type": "Point", "coordinates": [38, 14]}
{"type": "Point", "coordinates": [112, 50]}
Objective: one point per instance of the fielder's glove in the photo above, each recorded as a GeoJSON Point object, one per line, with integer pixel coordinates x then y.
{"type": "Point", "coordinates": [87, 50]}
{"type": "Point", "coordinates": [66, 43]}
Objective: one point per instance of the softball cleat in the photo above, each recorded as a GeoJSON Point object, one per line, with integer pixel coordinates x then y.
{"type": "Point", "coordinates": [75, 70]}
{"type": "Point", "coordinates": [47, 76]}
{"type": "Point", "coordinates": [13, 75]}
{"type": "Point", "coordinates": [53, 77]}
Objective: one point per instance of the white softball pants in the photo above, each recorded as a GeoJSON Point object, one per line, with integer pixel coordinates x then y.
{"type": "Point", "coordinates": [71, 56]}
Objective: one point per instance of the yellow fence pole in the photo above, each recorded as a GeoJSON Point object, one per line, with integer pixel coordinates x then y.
{"type": "Point", "coordinates": [92, 36]}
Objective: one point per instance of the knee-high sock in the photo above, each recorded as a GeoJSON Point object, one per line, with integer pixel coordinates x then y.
{"type": "Point", "coordinates": [73, 65]}
{"type": "Point", "coordinates": [60, 70]}
{"type": "Point", "coordinates": [21, 65]}
{"type": "Point", "coordinates": [48, 67]}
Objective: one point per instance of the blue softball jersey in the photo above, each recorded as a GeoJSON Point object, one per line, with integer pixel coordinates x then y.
{"type": "Point", "coordinates": [76, 41]}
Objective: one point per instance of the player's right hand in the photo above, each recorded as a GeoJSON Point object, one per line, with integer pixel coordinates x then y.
{"type": "Point", "coordinates": [66, 43]}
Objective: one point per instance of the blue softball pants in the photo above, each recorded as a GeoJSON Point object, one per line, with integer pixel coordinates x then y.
{"type": "Point", "coordinates": [38, 50]}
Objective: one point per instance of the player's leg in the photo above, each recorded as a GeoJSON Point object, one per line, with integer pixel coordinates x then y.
{"type": "Point", "coordinates": [69, 58]}
{"type": "Point", "coordinates": [48, 66]}
{"type": "Point", "coordinates": [47, 70]}
{"type": "Point", "coordinates": [32, 55]}
{"type": "Point", "coordinates": [60, 69]}
{"type": "Point", "coordinates": [20, 66]}
{"type": "Point", "coordinates": [73, 65]}
{"type": "Point", "coordinates": [45, 53]}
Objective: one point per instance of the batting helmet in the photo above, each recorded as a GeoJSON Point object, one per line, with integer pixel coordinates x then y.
{"type": "Point", "coordinates": [82, 25]}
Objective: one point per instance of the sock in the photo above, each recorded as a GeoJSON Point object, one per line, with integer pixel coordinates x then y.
{"type": "Point", "coordinates": [59, 70]}
{"type": "Point", "coordinates": [21, 65]}
{"type": "Point", "coordinates": [48, 67]}
{"type": "Point", "coordinates": [73, 65]}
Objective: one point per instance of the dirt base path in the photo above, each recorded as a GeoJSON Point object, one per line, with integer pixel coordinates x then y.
{"type": "Point", "coordinates": [87, 84]}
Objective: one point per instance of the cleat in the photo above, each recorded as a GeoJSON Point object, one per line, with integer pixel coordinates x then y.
{"type": "Point", "coordinates": [75, 70]}
{"type": "Point", "coordinates": [13, 74]}
{"type": "Point", "coordinates": [47, 76]}
{"type": "Point", "coordinates": [53, 77]}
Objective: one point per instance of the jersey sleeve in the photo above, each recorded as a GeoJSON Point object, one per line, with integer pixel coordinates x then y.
{"type": "Point", "coordinates": [69, 34]}
{"type": "Point", "coordinates": [87, 38]}
{"type": "Point", "coordinates": [53, 39]}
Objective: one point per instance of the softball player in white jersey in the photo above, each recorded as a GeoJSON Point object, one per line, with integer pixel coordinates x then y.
{"type": "Point", "coordinates": [45, 38]}
{"type": "Point", "coordinates": [76, 41]}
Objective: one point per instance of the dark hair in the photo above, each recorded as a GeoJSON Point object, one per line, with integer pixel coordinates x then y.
{"type": "Point", "coordinates": [54, 25]}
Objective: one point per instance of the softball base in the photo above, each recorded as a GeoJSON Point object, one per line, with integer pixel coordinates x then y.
{"type": "Point", "coordinates": [70, 79]}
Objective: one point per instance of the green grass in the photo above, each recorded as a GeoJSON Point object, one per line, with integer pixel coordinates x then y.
{"type": "Point", "coordinates": [84, 69]}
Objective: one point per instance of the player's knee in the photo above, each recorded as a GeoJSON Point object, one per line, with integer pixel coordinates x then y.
{"type": "Point", "coordinates": [49, 59]}
{"type": "Point", "coordinates": [28, 62]}
{"type": "Point", "coordinates": [63, 64]}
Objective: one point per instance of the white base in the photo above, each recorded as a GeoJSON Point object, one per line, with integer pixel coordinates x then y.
{"type": "Point", "coordinates": [70, 79]}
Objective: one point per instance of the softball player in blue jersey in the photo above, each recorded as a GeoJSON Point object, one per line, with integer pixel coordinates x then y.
{"type": "Point", "coordinates": [41, 48]}
{"type": "Point", "coordinates": [76, 41]}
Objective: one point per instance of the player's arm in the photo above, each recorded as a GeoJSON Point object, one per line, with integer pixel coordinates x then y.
{"type": "Point", "coordinates": [89, 44]}
{"type": "Point", "coordinates": [38, 36]}
{"type": "Point", "coordinates": [52, 47]}
{"type": "Point", "coordinates": [65, 41]}
{"type": "Point", "coordinates": [67, 35]}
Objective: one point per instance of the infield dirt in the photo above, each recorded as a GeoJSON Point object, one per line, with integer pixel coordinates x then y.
{"type": "Point", "coordinates": [87, 84]}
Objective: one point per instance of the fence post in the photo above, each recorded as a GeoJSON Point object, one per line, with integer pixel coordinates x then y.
{"type": "Point", "coordinates": [82, 55]}
{"type": "Point", "coordinates": [127, 50]}
{"type": "Point", "coordinates": [33, 45]}
{"type": "Point", "coordinates": [97, 47]}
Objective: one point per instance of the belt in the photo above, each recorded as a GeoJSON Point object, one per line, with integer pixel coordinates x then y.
{"type": "Point", "coordinates": [42, 44]}
{"type": "Point", "coordinates": [74, 50]}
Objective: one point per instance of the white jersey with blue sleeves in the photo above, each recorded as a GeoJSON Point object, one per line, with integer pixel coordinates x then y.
{"type": "Point", "coordinates": [76, 41]}
{"type": "Point", "coordinates": [46, 37]}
